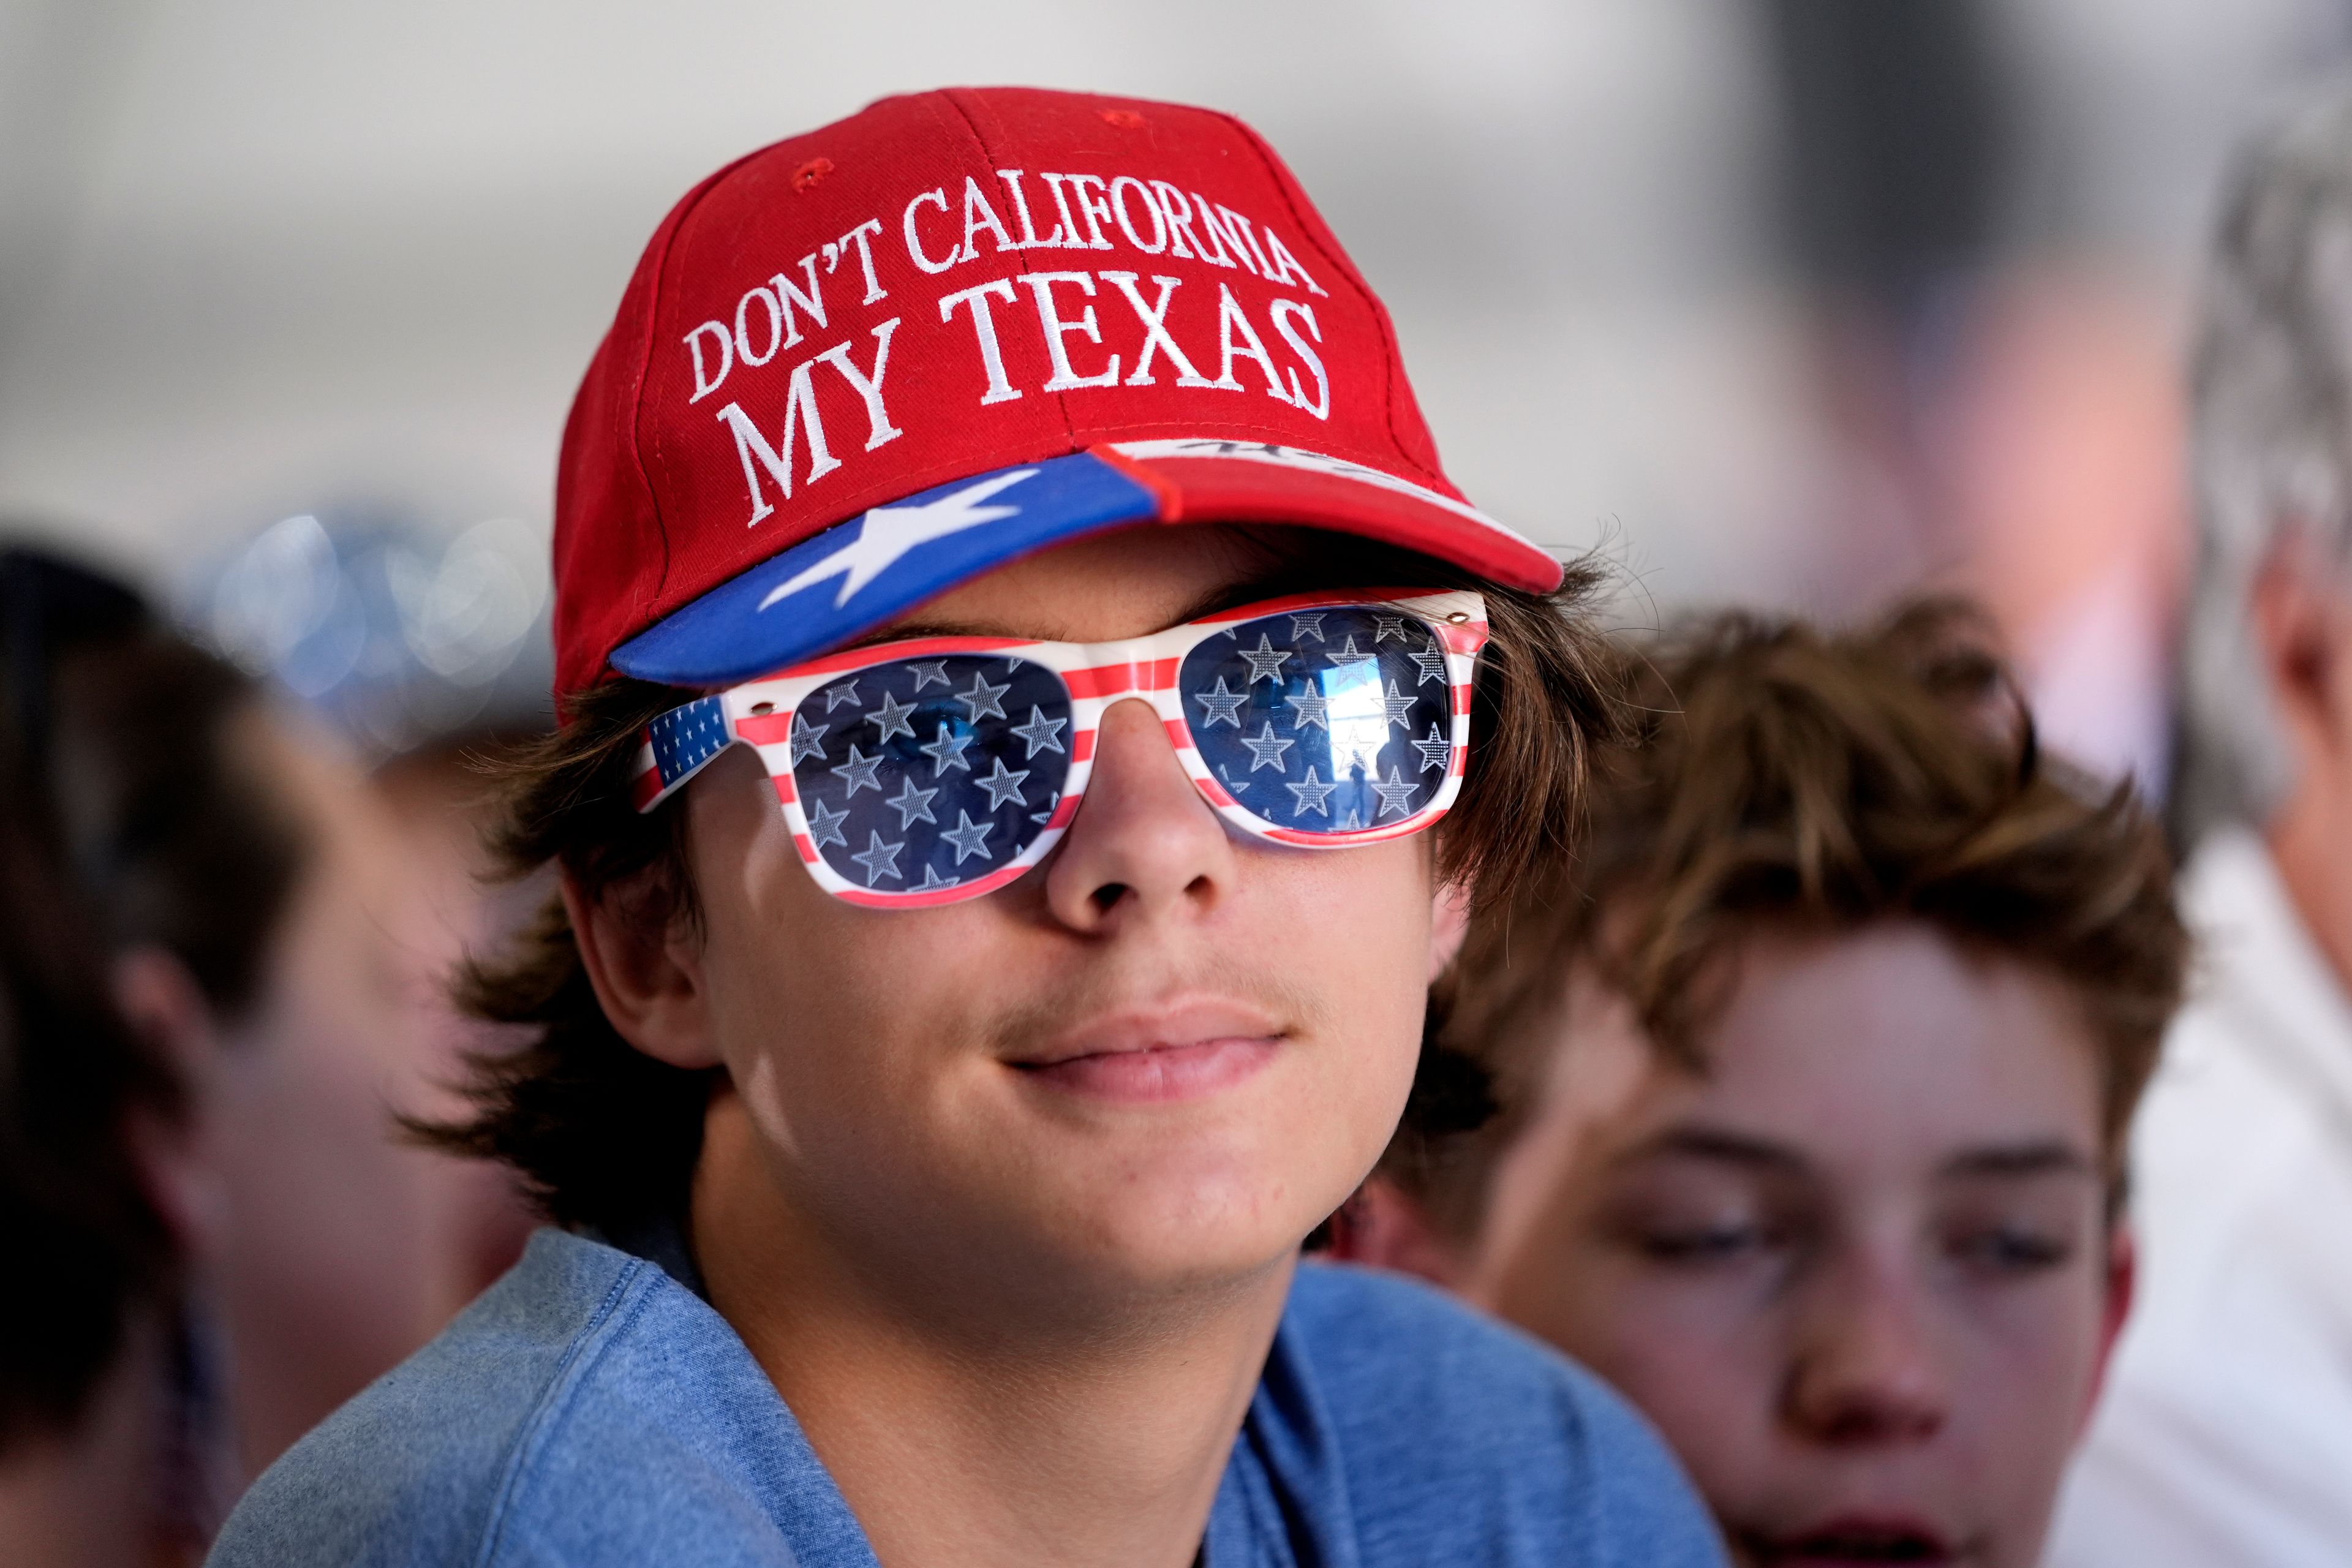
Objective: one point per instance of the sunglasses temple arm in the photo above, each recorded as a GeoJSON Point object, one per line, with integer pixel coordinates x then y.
{"type": "Point", "coordinates": [676, 746]}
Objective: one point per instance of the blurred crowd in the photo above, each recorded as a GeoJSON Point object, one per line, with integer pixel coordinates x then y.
{"type": "Point", "coordinates": [2016, 1161]}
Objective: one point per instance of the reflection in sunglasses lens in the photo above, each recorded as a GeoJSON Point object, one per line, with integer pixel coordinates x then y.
{"type": "Point", "coordinates": [926, 773]}
{"type": "Point", "coordinates": [1324, 721]}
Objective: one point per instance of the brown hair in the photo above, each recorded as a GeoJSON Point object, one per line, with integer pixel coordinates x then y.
{"type": "Point", "coordinates": [175, 836]}
{"type": "Point", "coordinates": [607, 1137]}
{"type": "Point", "coordinates": [1781, 776]}
{"type": "Point", "coordinates": [124, 819]}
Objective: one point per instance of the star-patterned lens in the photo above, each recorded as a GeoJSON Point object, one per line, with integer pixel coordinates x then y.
{"type": "Point", "coordinates": [1331, 720]}
{"type": "Point", "coordinates": [928, 774]}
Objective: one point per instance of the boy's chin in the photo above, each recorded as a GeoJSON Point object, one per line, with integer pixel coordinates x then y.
{"type": "Point", "coordinates": [1178, 1233]}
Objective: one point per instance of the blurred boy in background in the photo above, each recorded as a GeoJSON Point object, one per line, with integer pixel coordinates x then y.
{"type": "Point", "coordinates": [2227, 1436]}
{"type": "Point", "coordinates": [104, 1428]}
{"type": "Point", "coordinates": [268, 937]}
{"type": "Point", "coordinates": [1812, 1080]}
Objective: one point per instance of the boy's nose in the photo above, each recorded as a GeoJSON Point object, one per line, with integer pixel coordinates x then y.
{"type": "Point", "coordinates": [1864, 1367]}
{"type": "Point", "coordinates": [1144, 845]}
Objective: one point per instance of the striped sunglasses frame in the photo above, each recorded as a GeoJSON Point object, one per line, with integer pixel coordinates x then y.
{"type": "Point", "coordinates": [776, 715]}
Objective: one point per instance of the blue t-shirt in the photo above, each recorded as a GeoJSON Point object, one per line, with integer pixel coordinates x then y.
{"type": "Point", "coordinates": [591, 1409]}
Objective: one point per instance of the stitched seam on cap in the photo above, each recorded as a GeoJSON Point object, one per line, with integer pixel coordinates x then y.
{"type": "Point", "coordinates": [1347, 272]}
{"type": "Point", "coordinates": [988, 155]}
{"type": "Point", "coordinates": [644, 373]}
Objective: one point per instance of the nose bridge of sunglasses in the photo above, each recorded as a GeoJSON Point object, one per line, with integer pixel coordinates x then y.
{"type": "Point", "coordinates": [1119, 676]}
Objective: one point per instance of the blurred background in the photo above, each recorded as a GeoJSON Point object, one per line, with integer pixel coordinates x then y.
{"type": "Point", "coordinates": [1788, 299]}
{"type": "Point", "coordinates": [1783, 299]}
{"type": "Point", "coordinates": [1792, 302]}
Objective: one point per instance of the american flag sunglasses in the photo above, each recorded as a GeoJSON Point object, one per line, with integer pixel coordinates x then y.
{"type": "Point", "coordinates": [936, 769]}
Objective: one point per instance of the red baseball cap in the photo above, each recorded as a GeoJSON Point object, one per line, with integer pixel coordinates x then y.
{"type": "Point", "coordinates": [863, 364]}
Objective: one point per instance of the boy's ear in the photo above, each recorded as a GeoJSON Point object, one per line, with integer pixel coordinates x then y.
{"type": "Point", "coordinates": [178, 1155]}
{"type": "Point", "coordinates": [2301, 626]}
{"type": "Point", "coordinates": [2121, 1265]}
{"type": "Point", "coordinates": [1449, 922]}
{"type": "Point", "coordinates": [1382, 1227]}
{"type": "Point", "coordinates": [646, 971]}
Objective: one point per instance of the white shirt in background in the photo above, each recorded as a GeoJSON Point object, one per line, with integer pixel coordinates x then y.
{"type": "Point", "coordinates": [2224, 1437]}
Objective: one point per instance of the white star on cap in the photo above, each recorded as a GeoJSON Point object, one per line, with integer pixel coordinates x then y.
{"type": "Point", "coordinates": [890, 532]}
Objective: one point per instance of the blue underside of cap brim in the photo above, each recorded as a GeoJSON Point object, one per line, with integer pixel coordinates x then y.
{"type": "Point", "coordinates": [825, 590]}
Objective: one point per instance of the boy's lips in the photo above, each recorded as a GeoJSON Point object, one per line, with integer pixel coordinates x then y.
{"type": "Point", "coordinates": [1178, 1052]}
{"type": "Point", "coordinates": [1850, 1540]}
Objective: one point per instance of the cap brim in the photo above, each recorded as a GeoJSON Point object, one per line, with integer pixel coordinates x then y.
{"type": "Point", "coordinates": [857, 574]}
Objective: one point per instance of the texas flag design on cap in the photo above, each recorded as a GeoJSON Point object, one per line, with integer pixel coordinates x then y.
{"type": "Point", "coordinates": [860, 366]}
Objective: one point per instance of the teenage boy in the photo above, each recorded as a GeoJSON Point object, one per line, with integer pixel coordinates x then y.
{"type": "Point", "coordinates": [1813, 1095]}
{"type": "Point", "coordinates": [996, 924]}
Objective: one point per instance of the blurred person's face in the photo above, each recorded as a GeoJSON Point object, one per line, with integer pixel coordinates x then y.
{"type": "Point", "coordinates": [1856, 1269]}
{"type": "Point", "coordinates": [1154, 1062]}
{"type": "Point", "coordinates": [327, 1274]}
{"type": "Point", "coordinates": [2303, 621]}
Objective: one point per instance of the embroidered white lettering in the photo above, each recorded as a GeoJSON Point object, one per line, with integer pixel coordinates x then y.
{"type": "Point", "coordinates": [787, 291]}
{"type": "Point", "coordinates": [1230, 230]}
{"type": "Point", "coordinates": [800, 409]}
{"type": "Point", "coordinates": [937, 198]}
{"type": "Point", "coordinates": [1282, 310]}
{"type": "Point", "coordinates": [1214, 235]}
{"type": "Point", "coordinates": [1250, 346]}
{"type": "Point", "coordinates": [1029, 240]}
{"type": "Point", "coordinates": [1094, 208]}
{"type": "Point", "coordinates": [977, 215]}
{"type": "Point", "coordinates": [835, 249]}
{"type": "Point", "coordinates": [704, 384]}
{"type": "Point", "coordinates": [983, 326]}
{"type": "Point", "coordinates": [1068, 224]}
{"type": "Point", "coordinates": [775, 328]}
{"type": "Point", "coordinates": [1127, 223]}
{"type": "Point", "coordinates": [1040, 284]}
{"type": "Point", "coordinates": [1154, 318]}
{"type": "Point", "coordinates": [1283, 266]}
{"type": "Point", "coordinates": [1179, 214]}
{"type": "Point", "coordinates": [868, 386]}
